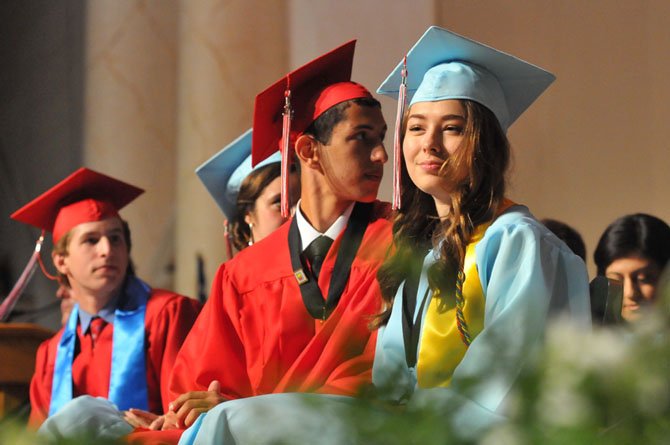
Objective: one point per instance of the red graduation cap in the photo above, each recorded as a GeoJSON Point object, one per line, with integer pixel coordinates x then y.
{"type": "Point", "coordinates": [84, 196]}
{"type": "Point", "coordinates": [284, 110]}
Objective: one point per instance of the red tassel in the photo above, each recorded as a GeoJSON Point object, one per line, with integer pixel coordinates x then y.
{"type": "Point", "coordinates": [285, 149]}
{"type": "Point", "coordinates": [397, 143]}
{"type": "Point", "coordinates": [39, 259]}
{"type": "Point", "coordinates": [24, 279]}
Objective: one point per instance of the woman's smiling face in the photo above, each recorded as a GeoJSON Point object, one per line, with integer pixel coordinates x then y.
{"type": "Point", "coordinates": [434, 131]}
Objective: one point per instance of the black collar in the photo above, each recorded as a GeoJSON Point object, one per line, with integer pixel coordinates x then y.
{"type": "Point", "coordinates": [309, 287]}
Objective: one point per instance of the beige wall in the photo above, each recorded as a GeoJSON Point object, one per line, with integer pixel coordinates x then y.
{"type": "Point", "coordinates": [383, 32]}
{"type": "Point", "coordinates": [170, 82]}
{"type": "Point", "coordinates": [228, 53]}
{"type": "Point", "coordinates": [593, 147]}
{"type": "Point", "coordinates": [129, 117]}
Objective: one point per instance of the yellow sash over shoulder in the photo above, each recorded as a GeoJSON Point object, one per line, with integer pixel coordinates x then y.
{"type": "Point", "coordinates": [441, 348]}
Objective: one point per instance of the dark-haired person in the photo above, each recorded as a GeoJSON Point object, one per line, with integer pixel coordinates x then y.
{"type": "Point", "coordinates": [568, 235]}
{"type": "Point", "coordinates": [484, 275]}
{"type": "Point", "coordinates": [282, 316]}
{"type": "Point", "coordinates": [634, 250]}
{"type": "Point", "coordinates": [249, 197]}
{"type": "Point", "coordinates": [122, 336]}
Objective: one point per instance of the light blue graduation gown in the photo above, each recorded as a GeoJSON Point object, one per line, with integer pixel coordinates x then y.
{"type": "Point", "coordinates": [527, 275]}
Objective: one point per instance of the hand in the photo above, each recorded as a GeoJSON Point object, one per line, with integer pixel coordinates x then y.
{"type": "Point", "coordinates": [187, 407]}
{"type": "Point", "coordinates": [139, 418]}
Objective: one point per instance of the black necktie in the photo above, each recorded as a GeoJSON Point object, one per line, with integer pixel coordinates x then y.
{"type": "Point", "coordinates": [316, 253]}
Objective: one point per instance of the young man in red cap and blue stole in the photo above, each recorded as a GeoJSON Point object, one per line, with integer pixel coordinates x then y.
{"type": "Point", "coordinates": [122, 336]}
{"type": "Point", "coordinates": [291, 312]}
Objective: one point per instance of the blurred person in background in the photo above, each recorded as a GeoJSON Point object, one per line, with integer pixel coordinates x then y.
{"type": "Point", "coordinates": [633, 251]}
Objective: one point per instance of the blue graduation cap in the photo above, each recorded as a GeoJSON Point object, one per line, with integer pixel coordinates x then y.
{"type": "Point", "coordinates": [444, 65]}
{"type": "Point", "coordinates": [224, 172]}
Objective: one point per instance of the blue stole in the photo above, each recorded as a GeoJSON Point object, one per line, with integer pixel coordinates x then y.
{"type": "Point", "coordinates": [128, 379]}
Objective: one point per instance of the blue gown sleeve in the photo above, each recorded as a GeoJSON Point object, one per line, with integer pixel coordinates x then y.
{"type": "Point", "coordinates": [296, 418]}
{"type": "Point", "coordinates": [526, 274]}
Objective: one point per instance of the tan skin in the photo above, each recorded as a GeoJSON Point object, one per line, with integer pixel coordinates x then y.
{"type": "Point", "coordinates": [266, 217]}
{"type": "Point", "coordinates": [66, 303]}
{"type": "Point", "coordinates": [348, 168]}
{"type": "Point", "coordinates": [434, 132]}
{"type": "Point", "coordinates": [95, 263]}
{"type": "Point", "coordinates": [639, 277]}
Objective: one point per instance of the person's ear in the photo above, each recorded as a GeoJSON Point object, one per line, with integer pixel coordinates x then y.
{"type": "Point", "coordinates": [307, 150]}
{"type": "Point", "coordinates": [60, 262]}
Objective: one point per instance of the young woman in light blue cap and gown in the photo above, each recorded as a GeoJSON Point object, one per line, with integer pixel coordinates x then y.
{"type": "Point", "coordinates": [475, 277]}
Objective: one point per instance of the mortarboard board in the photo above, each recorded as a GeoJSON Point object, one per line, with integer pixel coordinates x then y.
{"type": "Point", "coordinates": [444, 65]}
{"type": "Point", "coordinates": [287, 108]}
{"type": "Point", "coordinates": [84, 196]}
{"type": "Point", "coordinates": [224, 172]}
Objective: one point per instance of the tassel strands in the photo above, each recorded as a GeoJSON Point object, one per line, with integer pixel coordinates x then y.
{"type": "Point", "coordinates": [285, 149]}
{"type": "Point", "coordinates": [397, 143]}
{"type": "Point", "coordinates": [9, 302]}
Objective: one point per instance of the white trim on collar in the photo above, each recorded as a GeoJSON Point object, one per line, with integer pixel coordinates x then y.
{"type": "Point", "coordinates": [308, 233]}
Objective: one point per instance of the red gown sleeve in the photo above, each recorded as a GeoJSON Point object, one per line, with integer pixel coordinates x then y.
{"type": "Point", "coordinates": [214, 350]}
{"type": "Point", "coordinates": [40, 387]}
{"type": "Point", "coordinates": [170, 318]}
{"type": "Point", "coordinates": [353, 375]}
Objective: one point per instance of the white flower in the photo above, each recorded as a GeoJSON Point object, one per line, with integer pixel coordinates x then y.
{"type": "Point", "coordinates": [504, 434]}
{"type": "Point", "coordinates": [562, 407]}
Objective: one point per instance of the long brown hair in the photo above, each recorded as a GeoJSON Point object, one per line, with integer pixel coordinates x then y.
{"type": "Point", "coordinates": [476, 176]}
{"type": "Point", "coordinates": [251, 188]}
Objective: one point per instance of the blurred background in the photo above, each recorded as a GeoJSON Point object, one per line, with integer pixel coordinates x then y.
{"type": "Point", "coordinates": [147, 90]}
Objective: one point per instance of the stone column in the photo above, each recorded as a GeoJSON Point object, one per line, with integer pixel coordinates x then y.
{"type": "Point", "coordinates": [228, 52]}
{"type": "Point", "coordinates": [130, 115]}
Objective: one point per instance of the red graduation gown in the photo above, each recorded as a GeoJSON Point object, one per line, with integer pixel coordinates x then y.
{"type": "Point", "coordinates": [168, 319]}
{"type": "Point", "coordinates": [255, 335]}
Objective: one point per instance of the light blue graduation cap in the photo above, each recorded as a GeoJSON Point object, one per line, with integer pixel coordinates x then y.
{"type": "Point", "coordinates": [444, 65]}
{"type": "Point", "coordinates": [224, 172]}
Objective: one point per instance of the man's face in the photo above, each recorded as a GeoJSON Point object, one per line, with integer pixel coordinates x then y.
{"type": "Point", "coordinates": [96, 260]}
{"type": "Point", "coordinates": [353, 160]}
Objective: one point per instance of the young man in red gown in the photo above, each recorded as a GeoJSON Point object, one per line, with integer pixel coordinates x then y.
{"type": "Point", "coordinates": [121, 338]}
{"type": "Point", "coordinates": [278, 320]}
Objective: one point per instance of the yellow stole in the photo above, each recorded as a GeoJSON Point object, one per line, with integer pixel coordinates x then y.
{"type": "Point", "coordinates": [441, 348]}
